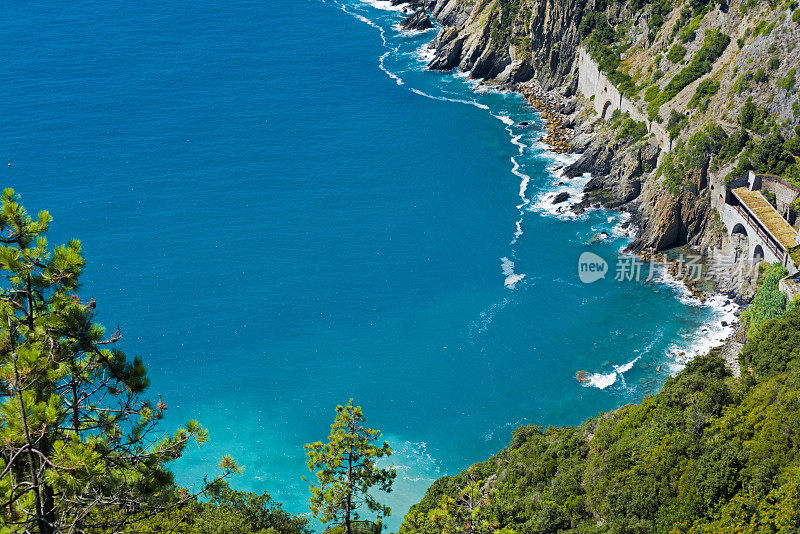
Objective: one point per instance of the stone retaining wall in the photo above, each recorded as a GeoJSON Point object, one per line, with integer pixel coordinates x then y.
{"type": "Point", "coordinates": [607, 98]}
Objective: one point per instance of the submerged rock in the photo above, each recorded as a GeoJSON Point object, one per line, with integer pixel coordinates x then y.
{"type": "Point", "coordinates": [599, 236]}
{"type": "Point", "coordinates": [419, 21]}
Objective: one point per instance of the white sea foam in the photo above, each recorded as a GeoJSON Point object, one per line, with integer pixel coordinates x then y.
{"type": "Point", "coordinates": [604, 380]}
{"type": "Point", "coordinates": [384, 5]}
{"type": "Point", "coordinates": [543, 202]}
{"type": "Point", "coordinates": [524, 181]}
{"type": "Point", "coordinates": [711, 334]}
{"type": "Point", "coordinates": [415, 462]}
{"type": "Point", "coordinates": [425, 54]}
{"type": "Point", "coordinates": [447, 99]}
{"type": "Point", "coordinates": [505, 119]}
{"type": "Point", "coordinates": [382, 32]}
{"type": "Point", "coordinates": [391, 74]}
{"type": "Point", "coordinates": [515, 140]}
{"type": "Point", "coordinates": [410, 33]}
{"type": "Point", "coordinates": [512, 278]}
{"type": "Point", "coordinates": [623, 228]}
{"type": "Point", "coordinates": [485, 318]}
{"type": "Point", "coordinates": [518, 233]}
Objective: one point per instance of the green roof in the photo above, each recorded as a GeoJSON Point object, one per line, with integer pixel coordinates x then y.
{"type": "Point", "coordinates": [768, 215]}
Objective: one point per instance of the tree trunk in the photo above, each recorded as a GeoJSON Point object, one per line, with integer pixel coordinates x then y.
{"type": "Point", "coordinates": [348, 501]}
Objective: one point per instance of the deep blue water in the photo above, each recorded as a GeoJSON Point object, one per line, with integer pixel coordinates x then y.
{"type": "Point", "coordinates": [279, 225]}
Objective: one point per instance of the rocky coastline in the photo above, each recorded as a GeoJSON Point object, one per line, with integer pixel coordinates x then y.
{"type": "Point", "coordinates": [554, 112]}
{"type": "Point", "coordinates": [619, 168]}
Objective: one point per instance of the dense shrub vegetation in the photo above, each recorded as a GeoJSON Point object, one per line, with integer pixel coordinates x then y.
{"type": "Point", "coordinates": [769, 302]}
{"type": "Point", "coordinates": [702, 95]}
{"type": "Point", "coordinates": [709, 453]}
{"type": "Point", "coordinates": [767, 152]}
{"type": "Point", "coordinates": [503, 14]}
{"type": "Point", "coordinates": [676, 53]}
{"type": "Point", "coordinates": [627, 127]}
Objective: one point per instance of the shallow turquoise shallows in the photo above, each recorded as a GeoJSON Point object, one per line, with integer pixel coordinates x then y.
{"type": "Point", "coordinates": [282, 209]}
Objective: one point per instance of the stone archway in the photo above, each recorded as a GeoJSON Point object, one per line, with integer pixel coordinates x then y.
{"type": "Point", "coordinates": [758, 255]}
{"type": "Point", "coordinates": [606, 107]}
{"type": "Point", "coordinates": [740, 241]}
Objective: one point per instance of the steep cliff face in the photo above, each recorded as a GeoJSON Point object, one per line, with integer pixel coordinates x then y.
{"type": "Point", "coordinates": [511, 41]}
{"type": "Point", "coordinates": [446, 12]}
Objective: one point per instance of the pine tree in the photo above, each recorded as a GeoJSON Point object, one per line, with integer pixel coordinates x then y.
{"type": "Point", "coordinates": [346, 472]}
{"type": "Point", "coordinates": [79, 446]}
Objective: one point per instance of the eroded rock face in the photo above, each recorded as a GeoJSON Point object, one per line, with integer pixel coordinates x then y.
{"type": "Point", "coordinates": [448, 45]}
{"type": "Point", "coordinates": [595, 160]}
{"type": "Point", "coordinates": [617, 167]}
{"type": "Point", "coordinates": [447, 12]}
{"type": "Point", "coordinates": [419, 21]}
{"type": "Point", "coordinates": [671, 218]}
{"type": "Point", "coordinates": [539, 39]}
{"type": "Point", "coordinates": [536, 46]}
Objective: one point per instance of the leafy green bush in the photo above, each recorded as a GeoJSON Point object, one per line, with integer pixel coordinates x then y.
{"type": "Point", "coordinates": [714, 45]}
{"type": "Point", "coordinates": [733, 145]}
{"type": "Point", "coordinates": [788, 82]}
{"type": "Point", "coordinates": [676, 53]}
{"type": "Point", "coordinates": [769, 301]}
{"type": "Point", "coordinates": [705, 90]}
{"type": "Point", "coordinates": [771, 155]}
{"type": "Point", "coordinates": [773, 344]}
{"type": "Point", "coordinates": [676, 122]}
{"type": "Point", "coordinates": [689, 33]}
{"type": "Point", "coordinates": [742, 83]}
{"type": "Point", "coordinates": [762, 28]}
{"type": "Point", "coordinates": [760, 75]}
{"type": "Point", "coordinates": [635, 130]}
{"type": "Point", "coordinates": [232, 512]}
{"type": "Point", "coordinates": [753, 117]}
{"type": "Point", "coordinates": [651, 93]}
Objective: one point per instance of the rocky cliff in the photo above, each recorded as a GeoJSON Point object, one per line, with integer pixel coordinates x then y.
{"type": "Point", "coordinates": [687, 66]}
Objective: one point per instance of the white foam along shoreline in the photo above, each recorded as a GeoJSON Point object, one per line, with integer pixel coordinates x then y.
{"type": "Point", "coordinates": [712, 334]}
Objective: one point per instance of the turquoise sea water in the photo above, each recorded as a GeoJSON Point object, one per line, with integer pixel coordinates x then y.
{"type": "Point", "coordinates": [283, 209]}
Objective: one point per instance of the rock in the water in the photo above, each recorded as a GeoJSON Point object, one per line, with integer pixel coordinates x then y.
{"type": "Point", "coordinates": [599, 236]}
{"type": "Point", "coordinates": [595, 160]}
{"type": "Point", "coordinates": [561, 197]}
{"type": "Point", "coordinates": [419, 21]}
